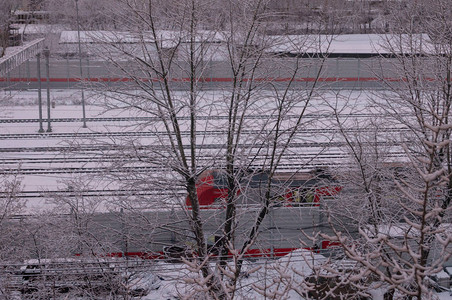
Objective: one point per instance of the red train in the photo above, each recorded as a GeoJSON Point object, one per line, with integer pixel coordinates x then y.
{"type": "Point", "coordinates": [288, 189]}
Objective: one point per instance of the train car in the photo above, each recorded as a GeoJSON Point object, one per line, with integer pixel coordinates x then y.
{"type": "Point", "coordinates": [165, 233]}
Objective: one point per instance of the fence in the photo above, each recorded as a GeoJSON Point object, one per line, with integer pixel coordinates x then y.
{"type": "Point", "coordinates": [21, 54]}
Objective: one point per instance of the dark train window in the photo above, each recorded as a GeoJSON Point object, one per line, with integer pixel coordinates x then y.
{"type": "Point", "coordinates": [303, 196]}
{"type": "Point", "coordinates": [220, 179]}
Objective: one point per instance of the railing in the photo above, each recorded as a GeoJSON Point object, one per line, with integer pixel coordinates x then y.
{"type": "Point", "coordinates": [11, 61]}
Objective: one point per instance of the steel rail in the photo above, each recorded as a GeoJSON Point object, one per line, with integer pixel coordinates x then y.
{"type": "Point", "coordinates": [185, 133]}
{"type": "Point", "coordinates": [299, 164]}
{"type": "Point", "coordinates": [147, 119]}
{"type": "Point", "coordinates": [100, 148]}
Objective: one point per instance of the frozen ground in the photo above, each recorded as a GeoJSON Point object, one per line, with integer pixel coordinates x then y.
{"type": "Point", "coordinates": [264, 279]}
{"type": "Point", "coordinates": [260, 277]}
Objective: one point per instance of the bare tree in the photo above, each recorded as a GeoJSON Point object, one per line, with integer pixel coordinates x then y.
{"type": "Point", "coordinates": [7, 9]}
{"type": "Point", "coordinates": [404, 237]}
{"type": "Point", "coordinates": [92, 14]}
{"type": "Point", "coordinates": [11, 225]}
{"type": "Point", "coordinates": [10, 206]}
{"type": "Point", "coordinates": [247, 123]}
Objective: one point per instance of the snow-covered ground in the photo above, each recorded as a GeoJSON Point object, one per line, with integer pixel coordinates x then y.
{"type": "Point", "coordinates": [260, 277]}
{"type": "Point", "coordinates": [263, 279]}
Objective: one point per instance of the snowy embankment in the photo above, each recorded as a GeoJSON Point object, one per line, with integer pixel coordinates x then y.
{"type": "Point", "coordinates": [261, 279]}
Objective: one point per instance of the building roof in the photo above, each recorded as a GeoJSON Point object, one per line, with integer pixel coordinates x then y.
{"type": "Point", "coordinates": [350, 44]}
{"type": "Point", "coordinates": [166, 37]}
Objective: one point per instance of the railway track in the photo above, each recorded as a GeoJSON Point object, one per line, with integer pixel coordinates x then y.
{"type": "Point", "coordinates": [182, 118]}
{"type": "Point", "coordinates": [93, 193]}
{"type": "Point", "coordinates": [106, 148]}
{"type": "Point", "coordinates": [293, 162]}
{"type": "Point", "coordinates": [184, 133]}
{"type": "Point", "coordinates": [131, 159]}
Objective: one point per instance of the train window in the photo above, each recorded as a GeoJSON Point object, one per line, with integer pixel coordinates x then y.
{"type": "Point", "coordinates": [220, 179]}
{"type": "Point", "coordinates": [214, 243]}
{"type": "Point", "coordinates": [169, 52]}
{"type": "Point", "coordinates": [302, 196]}
{"type": "Point", "coordinates": [296, 196]}
{"type": "Point", "coordinates": [309, 196]}
{"type": "Point", "coordinates": [219, 200]}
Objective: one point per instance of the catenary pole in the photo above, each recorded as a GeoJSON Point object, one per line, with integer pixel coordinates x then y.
{"type": "Point", "coordinates": [47, 54]}
{"type": "Point", "coordinates": [80, 63]}
{"type": "Point", "coordinates": [38, 65]}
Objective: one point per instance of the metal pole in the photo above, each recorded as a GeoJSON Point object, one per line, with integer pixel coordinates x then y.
{"type": "Point", "coordinates": [272, 238]}
{"type": "Point", "coordinates": [9, 82]}
{"type": "Point", "coordinates": [19, 69]}
{"type": "Point", "coordinates": [124, 234]}
{"type": "Point", "coordinates": [81, 69]}
{"type": "Point", "coordinates": [87, 67]}
{"type": "Point", "coordinates": [67, 70]}
{"type": "Point", "coordinates": [38, 65]}
{"type": "Point", "coordinates": [337, 69]}
{"type": "Point", "coordinates": [359, 73]}
{"type": "Point", "coordinates": [46, 54]}
{"type": "Point", "coordinates": [28, 71]}
{"type": "Point", "coordinates": [173, 233]}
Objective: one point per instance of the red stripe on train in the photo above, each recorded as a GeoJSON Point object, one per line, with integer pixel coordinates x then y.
{"type": "Point", "coordinates": [252, 253]}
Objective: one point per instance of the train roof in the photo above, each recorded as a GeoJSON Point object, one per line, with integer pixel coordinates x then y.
{"type": "Point", "coordinates": [254, 178]}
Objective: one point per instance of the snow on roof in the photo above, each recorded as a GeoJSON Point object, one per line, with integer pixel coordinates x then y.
{"type": "Point", "coordinates": [33, 12]}
{"type": "Point", "coordinates": [347, 43]}
{"type": "Point", "coordinates": [168, 38]}
{"type": "Point", "coordinates": [442, 275]}
{"type": "Point", "coordinates": [100, 36]}
{"type": "Point", "coordinates": [39, 28]}
{"type": "Point", "coordinates": [292, 44]}
{"type": "Point", "coordinates": [400, 230]}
